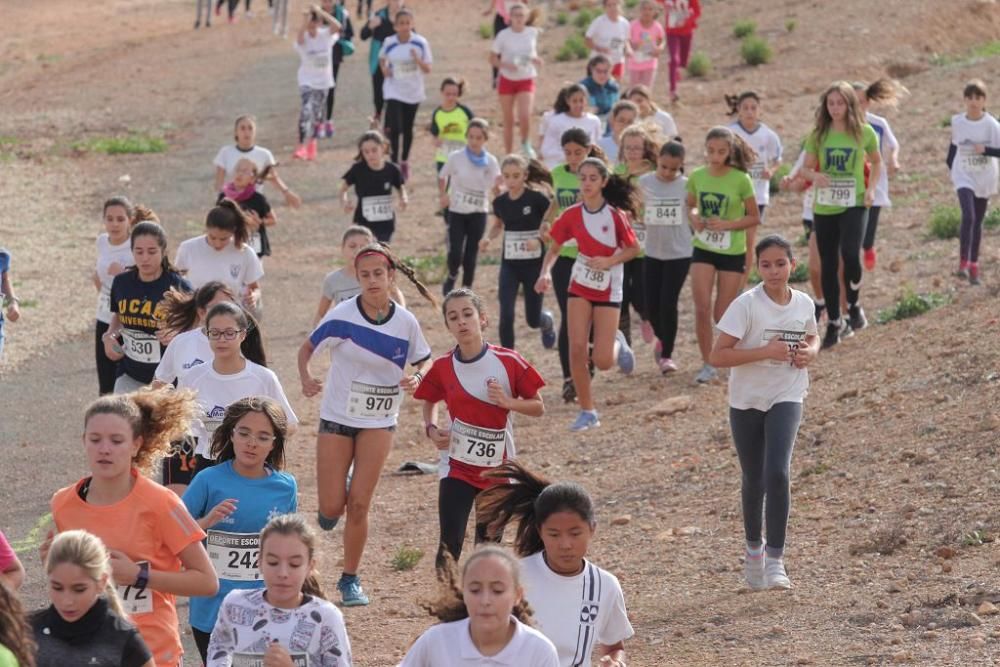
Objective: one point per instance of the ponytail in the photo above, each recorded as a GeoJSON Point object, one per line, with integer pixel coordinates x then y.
{"type": "Point", "coordinates": [397, 264]}
{"type": "Point", "coordinates": [535, 172]}
{"type": "Point", "coordinates": [734, 101]}
{"type": "Point", "coordinates": [142, 213]}
{"type": "Point", "coordinates": [741, 155]}
{"type": "Point", "coordinates": [179, 310]}
{"type": "Point", "coordinates": [229, 217]}
{"type": "Point", "coordinates": [503, 503]}
{"type": "Point", "coordinates": [884, 92]}
{"type": "Point", "coordinates": [618, 191]}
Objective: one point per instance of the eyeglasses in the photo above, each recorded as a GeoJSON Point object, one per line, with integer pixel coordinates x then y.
{"type": "Point", "coordinates": [227, 334]}
{"type": "Point", "coordinates": [262, 439]}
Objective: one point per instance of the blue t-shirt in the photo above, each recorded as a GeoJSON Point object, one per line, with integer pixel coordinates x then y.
{"type": "Point", "coordinates": [4, 261]}
{"type": "Point", "coordinates": [259, 500]}
{"type": "Point", "coordinates": [602, 97]}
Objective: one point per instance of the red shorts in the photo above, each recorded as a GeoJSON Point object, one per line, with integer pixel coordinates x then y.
{"type": "Point", "coordinates": [507, 86]}
{"type": "Point", "coordinates": [618, 70]}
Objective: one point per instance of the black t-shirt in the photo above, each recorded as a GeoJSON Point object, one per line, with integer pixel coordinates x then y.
{"type": "Point", "coordinates": [524, 214]}
{"type": "Point", "coordinates": [138, 306]}
{"type": "Point", "coordinates": [258, 204]}
{"type": "Point", "coordinates": [377, 187]}
{"type": "Point", "coordinates": [100, 638]}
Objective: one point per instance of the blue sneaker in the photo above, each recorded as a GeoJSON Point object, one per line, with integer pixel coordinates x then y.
{"type": "Point", "coordinates": [351, 594]}
{"type": "Point", "coordinates": [626, 358]}
{"type": "Point", "coordinates": [548, 330]}
{"type": "Point", "coordinates": [587, 419]}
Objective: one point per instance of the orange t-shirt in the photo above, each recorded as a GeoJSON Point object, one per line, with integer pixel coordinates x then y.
{"type": "Point", "coordinates": [151, 524]}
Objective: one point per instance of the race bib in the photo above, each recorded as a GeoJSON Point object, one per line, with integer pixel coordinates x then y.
{"type": "Point", "coordinates": [319, 62]}
{"type": "Point", "coordinates": [468, 199]}
{"type": "Point", "coordinates": [476, 445]}
{"type": "Point", "coordinates": [640, 235]}
{"type": "Point", "coordinates": [522, 61]}
{"type": "Point", "coordinates": [405, 69]}
{"type": "Point", "coordinates": [372, 401]}
{"type": "Point", "coordinates": [135, 599]}
{"type": "Point", "coordinates": [663, 212]}
{"type": "Point", "coordinates": [521, 245]}
{"type": "Point", "coordinates": [790, 338]}
{"type": "Point", "coordinates": [616, 43]}
{"type": "Point", "coordinates": [757, 172]}
{"type": "Point", "coordinates": [257, 659]}
{"type": "Point", "coordinates": [975, 163]}
{"type": "Point", "coordinates": [104, 303]}
{"type": "Point", "coordinates": [841, 192]}
{"type": "Point", "coordinates": [234, 555]}
{"type": "Point", "coordinates": [140, 346]}
{"type": "Point", "coordinates": [717, 240]}
{"type": "Point", "coordinates": [377, 209]}
{"type": "Point", "coordinates": [584, 276]}
{"type": "Point", "coordinates": [676, 18]}
{"type": "Point", "coordinates": [255, 243]}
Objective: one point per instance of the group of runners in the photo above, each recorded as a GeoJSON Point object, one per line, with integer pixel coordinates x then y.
{"type": "Point", "coordinates": [187, 492]}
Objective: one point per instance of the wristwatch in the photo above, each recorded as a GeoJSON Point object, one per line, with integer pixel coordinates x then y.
{"type": "Point", "coordinates": [142, 579]}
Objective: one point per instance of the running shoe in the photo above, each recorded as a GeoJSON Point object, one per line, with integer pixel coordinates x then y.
{"type": "Point", "coordinates": [753, 569]}
{"type": "Point", "coordinates": [707, 373]}
{"type": "Point", "coordinates": [568, 391]}
{"type": "Point", "coordinates": [856, 317]}
{"type": "Point", "coordinates": [197, 24]}
{"type": "Point", "coordinates": [351, 593]}
{"type": "Point", "coordinates": [448, 285]}
{"type": "Point", "coordinates": [963, 272]}
{"type": "Point", "coordinates": [404, 167]}
{"type": "Point", "coordinates": [311, 149]}
{"type": "Point", "coordinates": [375, 123]}
{"type": "Point", "coordinates": [833, 335]}
{"type": "Point", "coordinates": [774, 574]}
{"type": "Point", "coordinates": [626, 358]}
{"type": "Point", "coordinates": [587, 419]}
{"type": "Point", "coordinates": [325, 522]}
{"type": "Point", "coordinates": [657, 350]}
{"type": "Point", "coordinates": [870, 258]}
{"type": "Point", "coordinates": [548, 330]}
{"type": "Point", "coordinates": [974, 274]}
{"type": "Point", "coordinates": [232, 19]}
{"type": "Point", "coordinates": [301, 153]}
{"type": "Point", "coordinates": [647, 331]}
{"type": "Point", "coordinates": [667, 365]}
{"type": "Point", "coordinates": [328, 129]}
{"type": "Point", "coordinates": [528, 150]}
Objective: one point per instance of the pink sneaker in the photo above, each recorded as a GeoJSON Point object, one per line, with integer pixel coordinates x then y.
{"type": "Point", "coordinates": [647, 331]}
{"type": "Point", "coordinates": [667, 365]}
{"type": "Point", "coordinates": [311, 149]}
{"type": "Point", "coordinates": [301, 153]}
{"type": "Point", "coordinates": [328, 129]}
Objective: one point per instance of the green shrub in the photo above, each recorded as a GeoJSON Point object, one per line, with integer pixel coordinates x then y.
{"type": "Point", "coordinates": [585, 17]}
{"type": "Point", "coordinates": [631, 4]}
{"type": "Point", "coordinates": [790, 25]}
{"type": "Point", "coordinates": [910, 305]}
{"type": "Point", "coordinates": [130, 144]}
{"type": "Point", "coordinates": [756, 51]}
{"type": "Point", "coordinates": [699, 65]}
{"type": "Point", "coordinates": [485, 30]}
{"type": "Point", "coordinates": [406, 558]}
{"type": "Point", "coordinates": [562, 18]}
{"type": "Point", "coordinates": [944, 222]}
{"type": "Point", "coordinates": [800, 274]}
{"type": "Point", "coordinates": [574, 48]}
{"type": "Point", "coordinates": [779, 173]}
{"type": "Point", "coordinates": [430, 269]}
{"type": "Point", "coordinates": [743, 29]}
{"type": "Point", "coordinates": [992, 220]}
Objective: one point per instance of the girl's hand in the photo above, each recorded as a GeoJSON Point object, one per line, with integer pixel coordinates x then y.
{"type": "Point", "coordinates": [220, 512]}
{"type": "Point", "coordinates": [766, 174]}
{"type": "Point", "coordinates": [441, 437]}
{"type": "Point", "coordinates": [716, 225]}
{"type": "Point", "coordinates": [508, 67]}
{"type": "Point", "coordinates": [778, 350]}
{"type": "Point", "coordinates": [124, 570]}
{"type": "Point", "coordinates": [537, 62]}
{"type": "Point", "coordinates": [821, 180]}
{"type": "Point", "coordinates": [112, 349]}
{"type": "Point", "coordinates": [608, 661]}
{"type": "Point", "coordinates": [115, 269]}
{"type": "Point", "coordinates": [409, 383]}
{"type": "Point", "coordinates": [543, 283]}
{"type": "Point", "coordinates": [403, 203]}
{"type": "Point", "coordinates": [697, 224]}
{"type": "Point", "coordinates": [484, 244]}
{"type": "Point", "coordinates": [415, 56]}
{"type": "Point", "coordinates": [292, 199]}
{"type": "Point", "coordinates": [165, 336]}
{"type": "Point", "coordinates": [497, 395]}
{"type": "Point", "coordinates": [13, 312]}
{"type": "Point", "coordinates": [348, 205]}
{"type": "Point", "coordinates": [600, 263]}
{"type": "Point", "coordinates": [869, 197]}
{"type": "Point", "coordinates": [374, 22]}
{"type": "Point", "coordinates": [253, 220]}
{"type": "Point", "coordinates": [251, 298]}
{"type": "Point", "coordinates": [277, 656]}
{"type": "Point", "coordinates": [979, 149]}
{"type": "Point", "coordinates": [803, 355]}
{"type": "Point", "coordinates": [444, 200]}
{"type": "Point", "coordinates": [311, 386]}
{"type": "Point", "coordinates": [893, 168]}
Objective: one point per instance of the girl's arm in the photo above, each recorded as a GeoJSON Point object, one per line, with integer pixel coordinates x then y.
{"type": "Point", "coordinates": [110, 339]}
{"type": "Point", "coordinates": [383, 64]}
{"type": "Point", "coordinates": [810, 171]}
{"type": "Point", "coordinates": [440, 437]}
{"type": "Point", "coordinates": [751, 219]}
{"type": "Point", "coordinates": [409, 383]}
{"type": "Point", "coordinates": [622, 255]}
{"type": "Point", "coordinates": [310, 385]}
{"type": "Point", "coordinates": [495, 229]}
{"type": "Point", "coordinates": [694, 215]}
{"type": "Point", "coordinates": [335, 25]}
{"type": "Point", "coordinates": [491, 9]}
{"type": "Point", "coordinates": [806, 351]}
{"type": "Point", "coordinates": [345, 201]}
{"type": "Point", "coordinates": [545, 275]}
{"type": "Point", "coordinates": [96, 279]}
{"type": "Point", "coordinates": [321, 310]}
{"type": "Point", "coordinates": [196, 578]}
{"type": "Point", "coordinates": [611, 655]}
{"type": "Point", "coordinates": [875, 159]}
{"type": "Point", "coordinates": [532, 407]}
{"type": "Point", "coordinates": [13, 576]}
{"type": "Point", "coordinates": [270, 220]}
{"type": "Point", "coordinates": [301, 38]}
{"type": "Point", "coordinates": [252, 295]}
{"type": "Point", "coordinates": [443, 198]}
{"type": "Point", "coordinates": [725, 355]}
{"type": "Point", "coordinates": [404, 198]}
{"type": "Point", "coordinates": [220, 178]}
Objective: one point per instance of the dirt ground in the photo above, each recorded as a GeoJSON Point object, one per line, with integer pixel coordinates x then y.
{"type": "Point", "coordinates": [891, 539]}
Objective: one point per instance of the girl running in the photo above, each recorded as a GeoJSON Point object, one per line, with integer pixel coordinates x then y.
{"type": "Point", "coordinates": [515, 55]}
{"type": "Point", "coordinates": [467, 181]}
{"type": "Point", "coordinates": [373, 178]}
{"type": "Point", "coordinates": [682, 20]}
{"type": "Point", "coordinates": [450, 121]}
{"type": "Point", "coordinates": [484, 619]}
{"type": "Point", "coordinates": [372, 339]}
{"type": "Point", "coordinates": [795, 182]}
{"type": "Point", "coordinates": [314, 45]}
{"type": "Point", "coordinates": [608, 36]}
{"type": "Point", "coordinates": [84, 623]}
{"type": "Point", "coordinates": [650, 113]}
{"type": "Point", "coordinates": [255, 207]}
{"type": "Point", "coordinates": [602, 90]}
{"type": "Point", "coordinates": [378, 29]}
{"type": "Point", "coordinates": [518, 214]}
{"type": "Point", "coordinates": [835, 162]}
{"type": "Point", "coordinates": [405, 59]}
{"type": "Point", "coordinates": [768, 336]}
{"type": "Point", "coordinates": [605, 240]}
{"type": "Point", "coordinates": [155, 545]}
{"type": "Point", "coordinates": [556, 523]}
{"type": "Point", "coordinates": [233, 501]}
{"type": "Point", "coordinates": [246, 147]}
{"type": "Point", "coordinates": [568, 112]}
{"type": "Point", "coordinates": [648, 40]}
{"type": "Point", "coordinates": [623, 114]}
{"type": "Point", "coordinates": [203, 7]}
{"type": "Point", "coordinates": [721, 207]}
{"type": "Point", "coordinates": [135, 338]}
{"type": "Point", "coordinates": [184, 317]}
{"type": "Point", "coordinates": [481, 385]}
{"type": "Point", "coordinates": [501, 21]}
{"type": "Point", "coordinates": [975, 138]}
{"type": "Point", "coordinates": [343, 47]}
{"type": "Point", "coordinates": [288, 621]}
{"type": "Point", "coordinates": [668, 248]}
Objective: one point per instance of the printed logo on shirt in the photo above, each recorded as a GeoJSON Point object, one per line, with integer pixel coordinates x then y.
{"type": "Point", "coordinates": [194, 362]}
{"type": "Point", "coordinates": [588, 613]}
{"type": "Point", "coordinates": [386, 186]}
{"type": "Point", "coordinates": [218, 412]}
{"type": "Point", "coordinates": [526, 210]}
{"type": "Point", "coordinates": [398, 354]}
{"type": "Point", "coordinates": [234, 270]}
{"type": "Point", "coordinates": [149, 315]}
{"type": "Point", "coordinates": [712, 203]}
{"type": "Point", "coordinates": [840, 159]}
{"type": "Point", "coordinates": [566, 197]}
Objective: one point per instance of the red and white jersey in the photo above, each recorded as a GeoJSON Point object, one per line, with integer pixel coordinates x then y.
{"type": "Point", "coordinates": [598, 233]}
{"type": "Point", "coordinates": [481, 432]}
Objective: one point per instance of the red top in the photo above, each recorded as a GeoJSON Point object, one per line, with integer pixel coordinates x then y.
{"type": "Point", "coordinates": [681, 16]}
{"type": "Point", "coordinates": [597, 233]}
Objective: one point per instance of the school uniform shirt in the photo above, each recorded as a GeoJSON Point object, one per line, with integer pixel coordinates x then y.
{"type": "Point", "coordinates": [721, 197]}
{"type": "Point", "coordinates": [663, 121]}
{"type": "Point", "coordinates": [598, 233]}
{"type": "Point", "coordinates": [216, 392]}
{"type": "Point", "coordinates": [518, 49]}
{"type": "Point", "coordinates": [406, 80]}
{"type": "Point", "coordinates": [313, 633]}
{"type": "Point", "coordinates": [150, 524]}
{"type": "Point", "coordinates": [668, 231]}
{"type": "Point", "coordinates": [339, 286]}
{"type": "Point", "coordinates": [681, 16]}
{"type": "Point", "coordinates": [766, 144]}
{"type": "Point", "coordinates": [228, 156]}
{"type": "Point", "coordinates": [602, 96]}
{"type": "Point", "coordinates": [469, 185]}
{"type": "Point", "coordinates": [374, 191]}
{"type": "Point", "coordinates": [482, 434]}
{"type": "Point", "coordinates": [234, 542]}
{"type": "Point", "coordinates": [100, 638]}
{"type": "Point", "coordinates": [642, 59]}
{"type": "Point", "coordinates": [234, 267]}
{"type": "Point", "coordinates": [258, 241]}
{"type": "Point", "coordinates": [887, 144]}
{"type": "Point", "coordinates": [450, 645]}
{"type": "Point", "coordinates": [968, 170]}
{"type": "Point", "coordinates": [522, 218]}
{"type": "Point", "coordinates": [137, 304]}
{"type": "Point", "coordinates": [187, 350]}
{"type": "Point", "coordinates": [610, 147]}
{"type": "Point", "coordinates": [108, 254]}
{"type": "Point", "coordinates": [576, 612]}
{"type": "Point", "coordinates": [755, 319]}
{"type": "Point", "coordinates": [316, 59]}
{"type": "Point", "coordinates": [362, 386]}
{"type": "Point", "coordinates": [841, 158]}
{"type": "Point", "coordinates": [450, 127]}
{"type": "Point", "coordinates": [553, 126]}
{"type": "Point", "coordinates": [611, 35]}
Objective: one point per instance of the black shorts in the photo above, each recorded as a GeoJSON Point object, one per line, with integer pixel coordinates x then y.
{"type": "Point", "coordinates": [731, 263]}
{"type": "Point", "coordinates": [333, 428]}
{"type": "Point", "coordinates": [596, 304]}
{"type": "Point", "coordinates": [183, 464]}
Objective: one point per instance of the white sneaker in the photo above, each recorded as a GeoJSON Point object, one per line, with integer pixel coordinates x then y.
{"type": "Point", "coordinates": [753, 569]}
{"type": "Point", "coordinates": [774, 574]}
{"type": "Point", "coordinates": [706, 374]}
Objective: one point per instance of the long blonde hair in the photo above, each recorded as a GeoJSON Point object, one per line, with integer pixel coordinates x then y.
{"type": "Point", "coordinates": [87, 552]}
{"type": "Point", "coordinates": [854, 119]}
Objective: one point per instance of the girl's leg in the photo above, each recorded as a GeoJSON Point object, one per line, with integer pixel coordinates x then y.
{"type": "Point", "coordinates": [474, 229]}
{"type": "Point", "coordinates": [106, 368]}
{"type": "Point", "coordinates": [674, 274]}
{"type": "Point", "coordinates": [527, 274]}
{"type": "Point", "coordinates": [674, 60]}
{"type": "Point", "coordinates": [371, 449]}
{"type": "Point", "coordinates": [201, 640]}
{"type": "Point", "coordinates": [729, 285]}
{"type": "Point", "coordinates": [455, 501]}
{"type": "Point", "coordinates": [702, 281]}
{"type": "Point", "coordinates": [334, 454]}
{"type": "Point", "coordinates": [305, 114]}
{"type": "Point", "coordinates": [498, 25]}
{"type": "Point", "coordinates": [393, 127]}
{"type": "Point", "coordinates": [457, 234]}
{"type": "Point", "coordinates": [814, 271]}
{"type": "Point", "coordinates": [629, 269]}
{"type": "Point", "coordinates": [507, 108]}
{"type": "Point", "coordinates": [977, 229]}
{"type": "Point", "coordinates": [507, 295]}
{"type": "Point", "coordinates": [524, 102]}
{"type": "Point", "coordinates": [749, 438]}
{"type": "Point", "coordinates": [852, 233]}
{"type": "Point", "coordinates": [967, 202]}
{"type": "Point", "coordinates": [233, 4]}
{"type": "Point", "coordinates": [605, 327]}
{"type": "Point", "coordinates": [579, 316]}
{"type": "Point", "coordinates": [409, 116]}
{"type": "Point", "coordinates": [642, 77]}
{"type": "Point", "coordinates": [781, 424]}
{"type": "Point", "coordinates": [652, 280]}
{"type": "Point", "coordinates": [377, 98]}
{"type": "Point", "coordinates": [826, 229]}
{"type": "Point", "coordinates": [560, 285]}
{"type": "Point", "coordinates": [685, 53]}
{"type": "Point", "coordinates": [871, 228]}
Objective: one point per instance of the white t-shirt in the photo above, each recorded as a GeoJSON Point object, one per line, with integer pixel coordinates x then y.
{"type": "Point", "coordinates": [755, 319]}
{"type": "Point", "coordinates": [235, 268]}
{"type": "Point", "coordinates": [470, 185]}
{"type": "Point", "coordinates": [362, 386]}
{"type": "Point", "coordinates": [976, 172]}
{"type": "Point", "coordinates": [187, 350]}
{"type": "Point", "coordinates": [576, 612]}
{"type": "Point", "coordinates": [406, 82]}
{"type": "Point", "coordinates": [664, 122]}
{"type": "Point", "coordinates": [887, 144]}
{"type": "Point", "coordinates": [551, 130]}
{"type": "Point", "coordinates": [766, 144]}
{"type": "Point", "coordinates": [517, 48]}
{"type": "Point", "coordinates": [216, 392]}
{"type": "Point", "coordinates": [450, 645]}
{"type": "Point", "coordinates": [107, 255]}
{"type": "Point", "coordinates": [612, 35]}
{"type": "Point", "coordinates": [228, 156]}
{"type": "Point", "coordinates": [316, 59]}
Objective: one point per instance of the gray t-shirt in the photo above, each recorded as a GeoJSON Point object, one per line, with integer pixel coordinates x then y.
{"type": "Point", "coordinates": [668, 234]}
{"type": "Point", "coordinates": [338, 286]}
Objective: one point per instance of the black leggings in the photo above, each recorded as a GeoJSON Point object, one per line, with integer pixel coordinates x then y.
{"type": "Point", "coordinates": [663, 282]}
{"type": "Point", "coordinates": [871, 228]}
{"type": "Point", "coordinates": [233, 4]}
{"type": "Point", "coordinates": [399, 119]}
{"type": "Point", "coordinates": [455, 501]}
{"type": "Point", "coordinates": [498, 25]}
{"type": "Point", "coordinates": [633, 294]}
{"type": "Point", "coordinates": [107, 370]}
{"type": "Point", "coordinates": [561, 271]}
{"type": "Point", "coordinates": [839, 237]}
{"type": "Point", "coordinates": [201, 640]}
{"type": "Point", "coordinates": [377, 80]}
{"type": "Point", "coordinates": [514, 274]}
{"type": "Point", "coordinates": [332, 92]}
{"type": "Point", "coordinates": [464, 233]}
